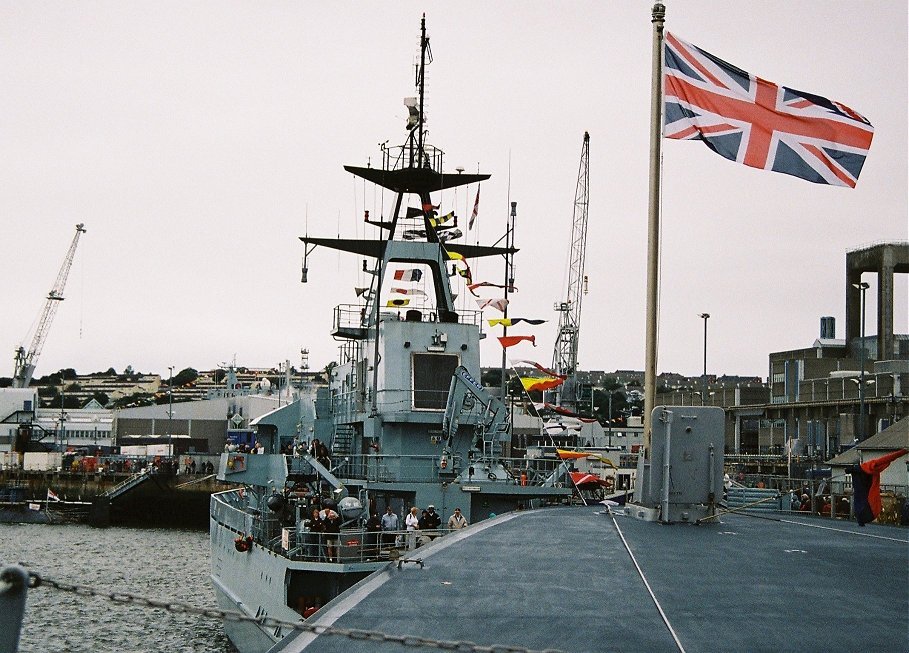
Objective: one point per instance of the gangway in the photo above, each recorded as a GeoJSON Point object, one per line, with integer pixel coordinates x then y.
{"type": "Point", "coordinates": [99, 513]}
{"type": "Point", "coordinates": [127, 484]}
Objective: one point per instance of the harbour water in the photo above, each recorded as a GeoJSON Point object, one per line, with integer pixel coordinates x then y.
{"type": "Point", "coordinates": [154, 563]}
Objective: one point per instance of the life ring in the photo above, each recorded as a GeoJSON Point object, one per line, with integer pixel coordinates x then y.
{"type": "Point", "coordinates": [491, 476]}
{"type": "Point", "coordinates": [243, 544]}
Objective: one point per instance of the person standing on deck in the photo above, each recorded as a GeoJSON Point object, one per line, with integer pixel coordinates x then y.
{"type": "Point", "coordinates": [373, 529]}
{"type": "Point", "coordinates": [389, 526]}
{"type": "Point", "coordinates": [412, 521]}
{"type": "Point", "coordinates": [432, 521]}
{"type": "Point", "coordinates": [332, 525]}
{"type": "Point", "coordinates": [457, 521]}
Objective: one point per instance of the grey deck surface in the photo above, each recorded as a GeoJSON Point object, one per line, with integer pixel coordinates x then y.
{"type": "Point", "coordinates": [562, 578]}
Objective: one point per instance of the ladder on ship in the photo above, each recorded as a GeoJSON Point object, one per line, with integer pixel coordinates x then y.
{"type": "Point", "coordinates": [342, 441]}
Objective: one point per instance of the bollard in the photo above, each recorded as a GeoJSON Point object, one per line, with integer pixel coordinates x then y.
{"type": "Point", "coordinates": [13, 588]}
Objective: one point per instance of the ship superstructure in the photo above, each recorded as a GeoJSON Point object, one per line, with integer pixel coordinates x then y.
{"type": "Point", "coordinates": [402, 345]}
{"type": "Point", "coordinates": [403, 423]}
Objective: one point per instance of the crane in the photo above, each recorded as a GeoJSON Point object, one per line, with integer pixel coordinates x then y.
{"type": "Point", "coordinates": [565, 352]}
{"type": "Point", "coordinates": [26, 360]}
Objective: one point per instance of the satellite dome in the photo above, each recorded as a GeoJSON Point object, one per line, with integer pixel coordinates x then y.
{"type": "Point", "coordinates": [350, 507]}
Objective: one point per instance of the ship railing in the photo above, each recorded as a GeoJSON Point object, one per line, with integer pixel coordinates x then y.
{"type": "Point", "coordinates": [353, 320]}
{"type": "Point", "coordinates": [428, 469]}
{"type": "Point", "coordinates": [529, 471]}
{"type": "Point", "coordinates": [398, 157]}
{"type": "Point", "coordinates": [227, 509]}
{"type": "Point", "coordinates": [345, 405]}
{"type": "Point", "coordinates": [826, 496]}
{"type": "Point", "coordinates": [406, 469]}
{"type": "Point", "coordinates": [350, 317]}
{"type": "Point", "coordinates": [393, 400]}
{"type": "Point", "coordinates": [348, 404]}
{"type": "Point", "coordinates": [350, 545]}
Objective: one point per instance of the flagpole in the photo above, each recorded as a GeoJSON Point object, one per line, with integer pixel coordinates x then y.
{"type": "Point", "coordinates": [653, 220]}
{"type": "Point", "coordinates": [509, 280]}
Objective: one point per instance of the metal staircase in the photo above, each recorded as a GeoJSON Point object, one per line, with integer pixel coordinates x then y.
{"type": "Point", "coordinates": [127, 485]}
{"type": "Point", "coordinates": [342, 441]}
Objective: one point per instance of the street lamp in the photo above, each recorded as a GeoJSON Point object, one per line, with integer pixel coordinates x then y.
{"type": "Point", "coordinates": [62, 445]}
{"type": "Point", "coordinates": [170, 409]}
{"type": "Point", "coordinates": [705, 317]}
{"type": "Point", "coordinates": [863, 286]}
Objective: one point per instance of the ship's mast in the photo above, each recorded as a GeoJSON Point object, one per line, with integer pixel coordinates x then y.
{"type": "Point", "coordinates": [421, 85]}
{"type": "Point", "coordinates": [509, 284]}
{"type": "Point", "coordinates": [413, 168]}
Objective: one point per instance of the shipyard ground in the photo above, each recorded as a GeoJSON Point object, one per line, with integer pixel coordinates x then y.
{"type": "Point", "coordinates": [562, 578]}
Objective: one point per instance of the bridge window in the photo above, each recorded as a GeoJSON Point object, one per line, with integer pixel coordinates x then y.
{"type": "Point", "coordinates": [431, 380]}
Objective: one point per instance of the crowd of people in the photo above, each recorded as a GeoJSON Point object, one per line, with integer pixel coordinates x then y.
{"type": "Point", "coordinates": [382, 532]}
{"type": "Point", "coordinates": [233, 447]}
{"type": "Point", "coordinates": [323, 528]}
{"type": "Point", "coordinates": [823, 504]}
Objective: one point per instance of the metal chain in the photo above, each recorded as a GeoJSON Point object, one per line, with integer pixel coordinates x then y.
{"type": "Point", "coordinates": [36, 580]}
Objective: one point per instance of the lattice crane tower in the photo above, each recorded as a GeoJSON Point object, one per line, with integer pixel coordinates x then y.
{"type": "Point", "coordinates": [565, 353]}
{"type": "Point", "coordinates": [26, 360]}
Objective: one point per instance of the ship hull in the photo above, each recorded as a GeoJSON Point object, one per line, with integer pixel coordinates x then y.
{"type": "Point", "coordinates": [16, 514]}
{"type": "Point", "coordinates": [252, 583]}
{"type": "Point", "coordinates": [246, 636]}
{"type": "Point", "coordinates": [262, 583]}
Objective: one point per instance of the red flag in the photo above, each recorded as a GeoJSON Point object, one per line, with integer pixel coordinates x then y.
{"type": "Point", "coordinates": [545, 370]}
{"type": "Point", "coordinates": [568, 413]}
{"type": "Point", "coordinates": [483, 284]}
{"type": "Point", "coordinates": [583, 478]}
{"type": "Point", "coordinates": [508, 341]}
{"type": "Point", "coordinates": [866, 482]}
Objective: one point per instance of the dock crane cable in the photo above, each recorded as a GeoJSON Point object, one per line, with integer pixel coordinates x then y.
{"type": "Point", "coordinates": [35, 580]}
{"type": "Point", "coordinates": [565, 352]}
{"type": "Point", "coordinates": [26, 360]}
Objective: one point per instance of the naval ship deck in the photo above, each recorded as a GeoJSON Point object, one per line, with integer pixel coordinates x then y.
{"type": "Point", "coordinates": [562, 578]}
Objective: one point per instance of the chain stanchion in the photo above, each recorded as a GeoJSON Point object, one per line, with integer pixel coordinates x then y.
{"type": "Point", "coordinates": [410, 641]}
{"type": "Point", "coordinates": [14, 584]}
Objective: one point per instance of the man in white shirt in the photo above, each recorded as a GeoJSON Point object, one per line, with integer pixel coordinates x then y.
{"type": "Point", "coordinates": [389, 525]}
{"type": "Point", "coordinates": [412, 521]}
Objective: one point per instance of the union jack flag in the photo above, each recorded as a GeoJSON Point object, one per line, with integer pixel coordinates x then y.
{"type": "Point", "coordinates": [752, 121]}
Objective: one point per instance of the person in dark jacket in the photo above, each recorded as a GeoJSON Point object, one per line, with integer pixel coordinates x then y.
{"type": "Point", "coordinates": [316, 528]}
{"type": "Point", "coordinates": [432, 521]}
{"type": "Point", "coordinates": [332, 524]}
{"type": "Point", "coordinates": [373, 530]}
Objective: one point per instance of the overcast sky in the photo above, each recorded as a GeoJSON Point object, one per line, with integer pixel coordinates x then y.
{"type": "Point", "coordinates": [198, 141]}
